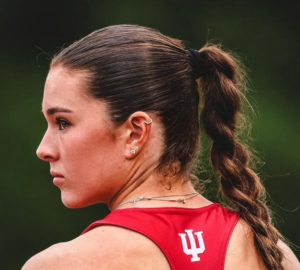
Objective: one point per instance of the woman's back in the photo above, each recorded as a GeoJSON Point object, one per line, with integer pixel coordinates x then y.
{"type": "Point", "coordinates": [113, 247]}
{"type": "Point", "coordinates": [190, 238]}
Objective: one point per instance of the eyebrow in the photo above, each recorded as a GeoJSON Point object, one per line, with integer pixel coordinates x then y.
{"type": "Point", "coordinates": [54, 110]}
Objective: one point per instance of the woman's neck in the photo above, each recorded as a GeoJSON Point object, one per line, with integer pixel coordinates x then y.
{"type": "Point", "coordinates": [159, 192]}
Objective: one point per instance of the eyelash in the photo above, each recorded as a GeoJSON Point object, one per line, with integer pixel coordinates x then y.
{"type": "Point", "coordinates": [62, 123]}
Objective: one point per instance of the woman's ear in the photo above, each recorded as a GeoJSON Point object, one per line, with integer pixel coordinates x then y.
{"type": "Point", "coordinates": [138, 127]}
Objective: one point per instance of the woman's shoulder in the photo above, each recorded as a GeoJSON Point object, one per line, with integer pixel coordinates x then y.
{"type": "Point", "coordinates": [50, 258]}
{"type": "Point", "coordinates": [242, 253]}
{"type": "Point", "coordinates": [105, 247]}
{"type": "Point", "coordinates": [290, 261]}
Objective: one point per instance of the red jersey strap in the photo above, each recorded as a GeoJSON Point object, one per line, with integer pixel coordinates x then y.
{"type": "Point", "coordinates": [190, 238]}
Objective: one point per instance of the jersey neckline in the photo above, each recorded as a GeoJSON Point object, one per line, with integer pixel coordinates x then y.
{"type": "Point", "coordinates": [171, 208]}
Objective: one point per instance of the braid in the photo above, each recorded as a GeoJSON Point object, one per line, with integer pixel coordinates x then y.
{"type": "Point", "coordinates": [221, 89]}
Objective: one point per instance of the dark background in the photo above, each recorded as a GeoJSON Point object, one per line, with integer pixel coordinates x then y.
{"type": "Point", "coordinates": [265, 32]}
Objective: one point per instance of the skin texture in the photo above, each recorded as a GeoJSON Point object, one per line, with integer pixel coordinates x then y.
{"type": "Point", "coordinates": [91, 162]}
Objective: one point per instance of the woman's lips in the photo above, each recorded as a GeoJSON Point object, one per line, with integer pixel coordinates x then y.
{"type": "Point", "coordinates": [58, 178]}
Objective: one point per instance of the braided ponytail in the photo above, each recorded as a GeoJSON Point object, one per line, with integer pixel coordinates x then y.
{"type": "Point", "coordinates": [221, 89]}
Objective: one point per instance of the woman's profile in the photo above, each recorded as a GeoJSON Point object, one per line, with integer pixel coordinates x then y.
{"type": "Point", "coordinates": [124, 106]}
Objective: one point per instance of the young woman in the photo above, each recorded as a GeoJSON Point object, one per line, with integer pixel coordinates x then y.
{"type": "Point", "coordinates": [123, 129]}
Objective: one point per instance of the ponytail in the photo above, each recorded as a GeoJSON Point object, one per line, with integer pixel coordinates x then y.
{"type": "Point", "coordinates": [221, 88]}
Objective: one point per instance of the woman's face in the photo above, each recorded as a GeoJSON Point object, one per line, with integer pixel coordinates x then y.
{"type": "Point", "coordinates": [80, 142]}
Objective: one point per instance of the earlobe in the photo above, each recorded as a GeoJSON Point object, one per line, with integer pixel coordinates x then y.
{"type": "Point", "coordinates": [133, 151]}
{"type": "Point", "coordinates": [139, 127]}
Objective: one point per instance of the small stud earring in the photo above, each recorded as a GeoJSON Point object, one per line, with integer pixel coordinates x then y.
{"type": "Point", "coordinates": [132, 152]}
{"type": "Point", "coordinates": [148, 123]}
{"type": "Point", "coordinates": [137, 148]}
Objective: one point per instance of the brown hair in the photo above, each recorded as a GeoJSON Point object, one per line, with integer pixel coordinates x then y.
{"type": "Point", "coordinates": [135, 68]}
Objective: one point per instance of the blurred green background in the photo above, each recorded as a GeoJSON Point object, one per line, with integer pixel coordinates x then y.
{"type": "Point", "coordinates": [265, 32]}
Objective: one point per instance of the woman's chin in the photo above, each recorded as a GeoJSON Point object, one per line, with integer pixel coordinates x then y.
{"type": "Point", "coordinates": [73, 203]}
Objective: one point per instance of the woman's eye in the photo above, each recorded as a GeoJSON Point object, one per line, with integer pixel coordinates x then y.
{"type": "Point", "coordinates": [63, 124]}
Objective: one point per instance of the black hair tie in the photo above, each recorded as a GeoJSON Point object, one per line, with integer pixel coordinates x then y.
{"type": "Point", "coordinates": [197, 63]}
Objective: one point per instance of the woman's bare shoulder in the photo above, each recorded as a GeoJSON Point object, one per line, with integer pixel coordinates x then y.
{"type": "Point", "coordinates": [104, 247]}
{"type": "Point", "coordinates": [242, 254]}
{"type": "Point", "coordinates": [290, 261]}
{"type": "Point", "coordinates": [49, 258]}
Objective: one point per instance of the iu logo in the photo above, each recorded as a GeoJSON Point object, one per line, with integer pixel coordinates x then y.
{"type": "Point", "coordinates": [193, 250]}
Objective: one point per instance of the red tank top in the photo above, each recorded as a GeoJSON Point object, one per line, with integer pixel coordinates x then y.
{"type": "Point", "coordinates": [190, 238]}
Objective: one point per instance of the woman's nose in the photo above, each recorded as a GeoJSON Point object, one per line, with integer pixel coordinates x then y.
{"type": "Point", "coordinates": [47, 150]}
